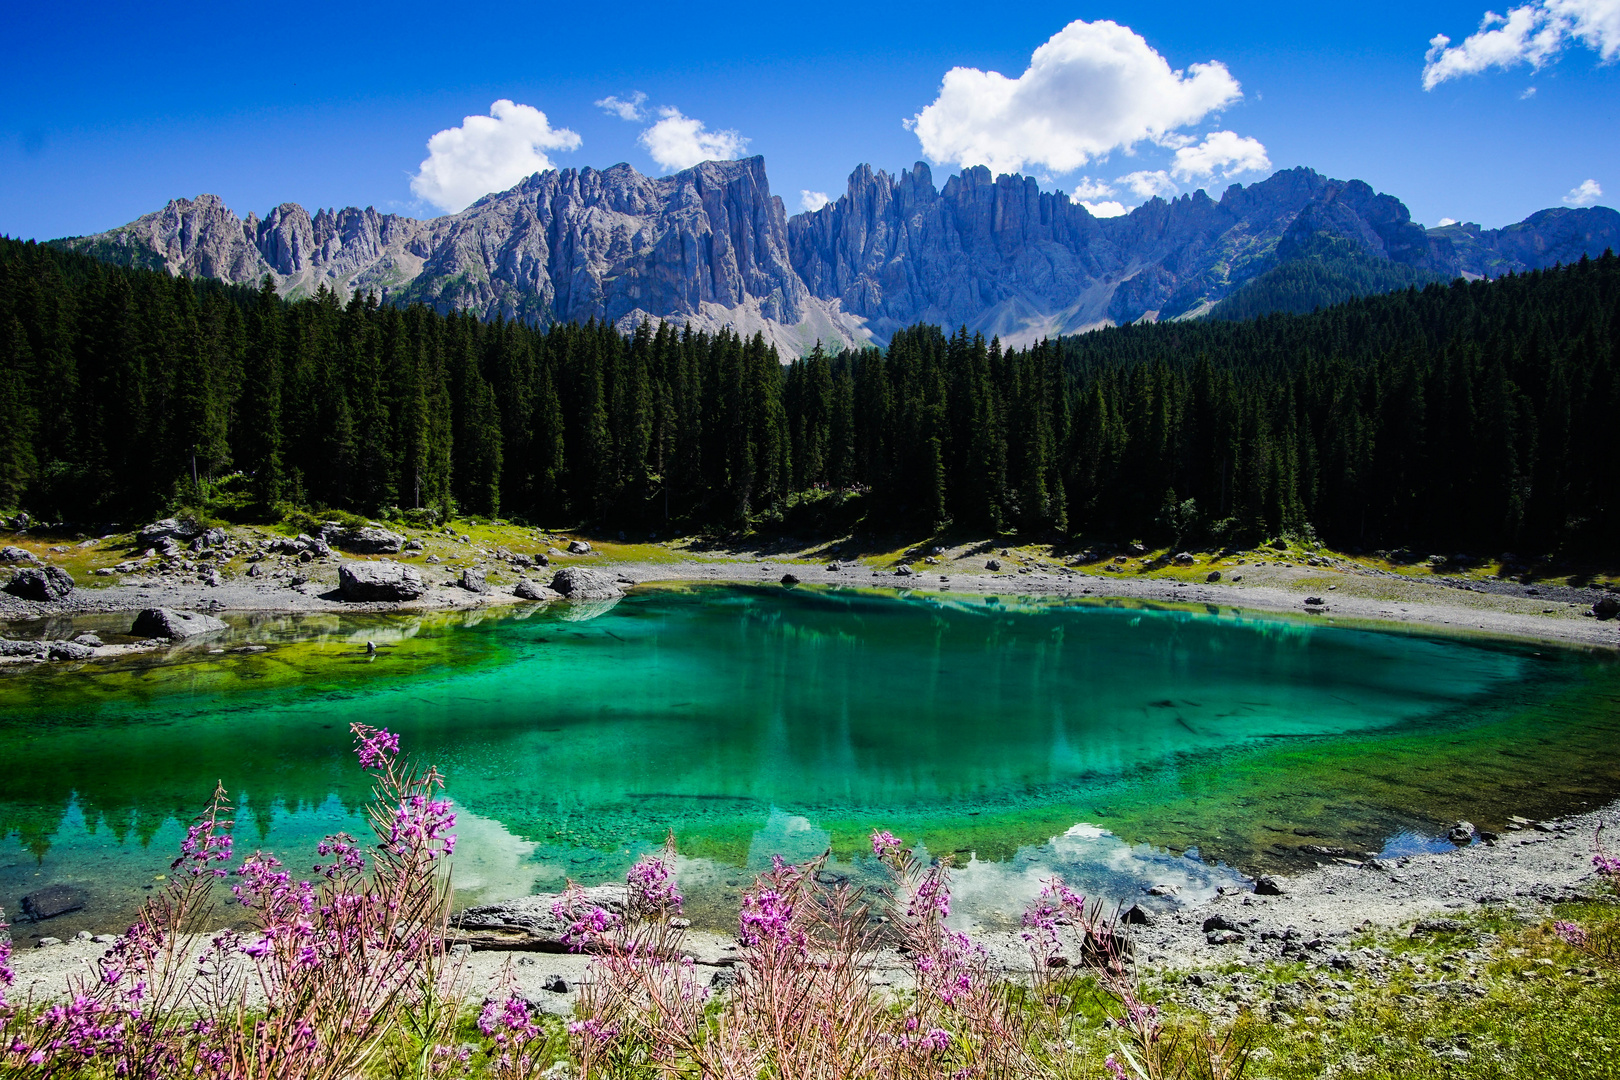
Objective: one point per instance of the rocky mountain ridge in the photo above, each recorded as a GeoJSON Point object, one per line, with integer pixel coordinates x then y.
{"type": "Point", "coordinates": [711, 246]}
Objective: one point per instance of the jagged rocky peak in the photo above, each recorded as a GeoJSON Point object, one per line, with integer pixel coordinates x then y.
{"type": "Point", "coordinates": [710, 246]}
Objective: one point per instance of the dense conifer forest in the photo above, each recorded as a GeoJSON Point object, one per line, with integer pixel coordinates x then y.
{"type": "Point", "coordinates": [1470, 416]}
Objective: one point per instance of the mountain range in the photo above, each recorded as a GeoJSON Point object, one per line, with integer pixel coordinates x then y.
{"type": "Point", "coordinates": [712, 247]}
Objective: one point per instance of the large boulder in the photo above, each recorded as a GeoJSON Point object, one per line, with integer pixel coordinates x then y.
{"type": "Point", "coordinates": [168, 529]}
{"type": "Point", "coordinates": [366, 540]}
{"type": "Point", "coordinates": [10, 554]}
{"type": "Point", "coordinates": [174, 625]}
{"type": "Point", "coordinates": [380, 580]}
{"type": "Point", "coordinates": [528, 922]}
{"type": "Point", "coordinates": [44, 584]}
{"type": "Point", "coordinates": [21, 648]}
{"type": "Point", "coordinates": [474, 580]}
{"type": "Point", "coordinates": [577, 583]}
{"type": "Point", "coordinates": [532, 590]}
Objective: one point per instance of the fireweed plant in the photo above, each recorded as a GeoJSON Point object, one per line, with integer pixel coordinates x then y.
{"type": "Point", "coordinates": [332, 969]}
{"type": "Point", "coordinates": [1602, 946]}
{"type": "Point", "coordinates": [347, 975]}
{"type": "Point", "coordinates": [801, 1002]}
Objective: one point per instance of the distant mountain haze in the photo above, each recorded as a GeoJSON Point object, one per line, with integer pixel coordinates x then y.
{"type": "Point", "coordinates": [711, 247]}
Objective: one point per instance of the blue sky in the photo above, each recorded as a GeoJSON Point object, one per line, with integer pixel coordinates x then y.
{"type": "Point", "coordinates": [110, 110]}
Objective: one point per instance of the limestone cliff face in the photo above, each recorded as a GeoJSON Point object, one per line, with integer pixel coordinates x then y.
{"type": "Point", "coordinates": [712, 247]}
{"type": "Point", "coordinates": [999, 255]}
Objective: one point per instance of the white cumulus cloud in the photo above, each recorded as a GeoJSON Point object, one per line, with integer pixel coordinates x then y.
{"type": "Point", "coordinates": [679, 142]}
{"type": "Point", "coordinates": [488, 153]}
{"type": "Point", "coordinates": [1091, 89]}
{"type": "Point", "coordinates": [1221, 154]}
{"type": "Point", "coordinates": [813, 200]}
{"type": "Point", "coordinates": [1147, 184]}
{"type": "Point", "coordinates": [1587, 194]}
{"type": "Point", "coordinates": [624, 108]}
{"type": "Point", "coordinates": [1110, 208]}
{"type": "Point", "coordinates": [1533, 34]}
{"type": "Point", "coordinates": [1446, 221]}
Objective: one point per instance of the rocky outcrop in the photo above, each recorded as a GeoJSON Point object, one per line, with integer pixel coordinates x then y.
{"type": "Point", "coordinates": [13, 554]}
{"type": "Point", "coordinates": [175, 625]}
{"type": "Point", "coordinates": [45, 585]}
{"type": "Point", "coordinates": [528, 922]}
{"type": "Point", "coordinates": [711, 246]}
{"type": "Point", "coordinates": [366, 540]}
{"type": "Point", "coordinates": [383, 580]}
{"type": "Point", "coordinates": [168, 529]}
{"type": "Point", "coordinates": [577, 583]}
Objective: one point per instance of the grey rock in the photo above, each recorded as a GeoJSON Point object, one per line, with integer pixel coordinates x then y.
{"type": "Point", "coordinates": [1461, 833]}
{"type": "Point", "coordinates": [47, 942]}
{"type": "Point", "coordinates": [903, 570]}
{"type": "Point", "coordinates": [174, 625]}
{"type": "Point", "coordinates": [1213, 575]}
{"type": "Point", "coordinates": [70, 650]}
{"type": "Point", "coordinates": [1313, 601]}
{"type": "Point", "coordinates": [579, 547]}
{"type": "Point", "coordinates": [528, 922]}
{"type": "Point", "coordinates": [1266, 885]}
{"type": "Point", "coordinates": [46, 584]}
{"type": "Point", "coordinates": [382, 580]}
{"type": "Point", "coordinates": [993, 565]}
{"type": "Point", "coordinates": [54, 900]}
{"type": "Point", "coordinates": [181, 529]}
{"type": "Point", "coordinates": [1220, 922]}
{"type": "Point", "coordinates": [22, 648]}
{"type": "Point", "coordinates": [412, 545]}
{"type": "Point", "coordinates": [1136, 915]}
{"type": "Point", "coordinates": [11, 554]}
{"type": "Point", "coordinates": [474, 580]}
{"type": "Point", "coordinates": [790, 579]}
{"type": "Point", "coordinates": [835, 567]}
{"type": "Point", "coordinates": [532, 590]}
{"type": "Point", "coordinates": [1224, 937]}
{"type": "Point", "coordinates": [1606, 607]}
{"type": "Point", "coordinates": [370, 540]}
{"type": "Point", "coordinates": [578, 583]}
{"type": "Point", "coordinates": [91, 640]}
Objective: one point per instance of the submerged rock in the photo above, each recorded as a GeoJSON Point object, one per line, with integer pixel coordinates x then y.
{"type": "Point", "coordinates": [577, 583]}
{"type": "Point", "coordinates": [174, 625]}
{"type": "Point", "coordinates": [381, 580]}
{"type": "Point", "coordinates": [54, 900]}
{"type": "Point", "coordinates": [45, 584]}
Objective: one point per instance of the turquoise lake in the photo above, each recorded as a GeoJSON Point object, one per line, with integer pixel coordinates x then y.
{"type": "Point", "coordinates": [1119, 744]}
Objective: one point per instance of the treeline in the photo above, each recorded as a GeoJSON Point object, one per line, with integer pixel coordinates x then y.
{"type": "Point", "coordinates": [1467, 415]}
